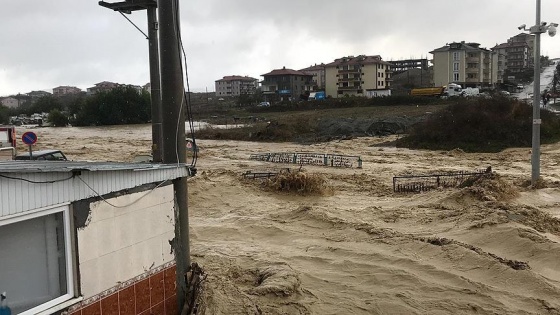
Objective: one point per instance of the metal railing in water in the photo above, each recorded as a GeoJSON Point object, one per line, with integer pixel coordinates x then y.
{"type": "Point", "coordinates": [309, 158]}
{"type": "Point", "coordinates": [420, 183]}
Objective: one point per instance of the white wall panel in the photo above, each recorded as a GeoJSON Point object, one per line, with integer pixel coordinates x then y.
{"type": "Point", "coordinates": [19, 196]}
{"type": "Point", "coordinates": [121, 243]}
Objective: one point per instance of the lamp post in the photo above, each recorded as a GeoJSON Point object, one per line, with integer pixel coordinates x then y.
{"type": "Point", "coordinates": [537, 30]}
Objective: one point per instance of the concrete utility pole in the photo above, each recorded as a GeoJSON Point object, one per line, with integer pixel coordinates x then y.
{"type": "Point", "coordinates": [128, 7]}
{"type": "Point", "coordinates": [174, 146]}
{"type": "Point", "coordinates": [155, 86]}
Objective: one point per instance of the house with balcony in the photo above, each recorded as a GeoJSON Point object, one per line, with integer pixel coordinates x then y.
{"type": "Point", "coordinates": [286, 84]}
{"type": "Point", "coordinates": [38, 94]}
{"type": "Point", "coordinates": [362, 75]}
{"type": "Point", "coordinates": [66, 90]}
{"type": "Point", "coordinates": [318, 73]}
{"type": "Point", "coordinates": [236, 85]}
{"type": "Point", "coordinates": [466, 64]}
{"type": "Point", "coordinates": [104, 86]}
{"type": "Point", "coordinates": [501, 55]}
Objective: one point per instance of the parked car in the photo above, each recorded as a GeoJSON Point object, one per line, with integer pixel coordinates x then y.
{"type": "Point", "coordinates": [42, 155]}
{"type": "Point", "coordinates": [264, 104]}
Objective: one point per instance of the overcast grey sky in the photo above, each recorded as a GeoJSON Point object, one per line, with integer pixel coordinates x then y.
{"type": "Point", "coordinates": [44, 44]}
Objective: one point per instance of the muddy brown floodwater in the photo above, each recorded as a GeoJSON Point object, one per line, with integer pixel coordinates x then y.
{"type": "Point", "coordinates": [489, 249]}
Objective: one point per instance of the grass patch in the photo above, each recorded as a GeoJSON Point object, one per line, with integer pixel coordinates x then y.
{"type": "Point", "coordinates": [481, 125]}
{"type": "Point", "coordinates": [271, 131]}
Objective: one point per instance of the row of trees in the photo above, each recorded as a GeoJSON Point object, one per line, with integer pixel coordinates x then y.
{"type": "Point", "coordinates": [122, 105]}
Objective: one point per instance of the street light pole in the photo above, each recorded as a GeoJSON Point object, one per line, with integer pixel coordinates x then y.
{"type": "Point", "coordinates": [539, 28]}
{"type": "Point", "coordinates": [535, 158]}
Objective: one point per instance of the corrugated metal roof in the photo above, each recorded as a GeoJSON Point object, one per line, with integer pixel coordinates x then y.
{"type": "Point", "coordinates": [70, 166]}
{"type": "Point", "coordinates": [29, 185]}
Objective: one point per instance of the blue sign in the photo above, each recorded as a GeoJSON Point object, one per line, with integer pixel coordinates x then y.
{"type": "Point", "coordinates": [284, 92]}
{"type": "Point", "coordinates": [29, 138]}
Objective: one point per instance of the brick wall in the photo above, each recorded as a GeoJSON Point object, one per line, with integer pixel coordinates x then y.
{"type": "Point", "coordinates": [151, 293]}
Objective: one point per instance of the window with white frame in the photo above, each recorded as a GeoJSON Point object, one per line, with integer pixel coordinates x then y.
{"type": "Point", "coordinates": [455, 66]}
{"type": "Point", "coordinates": [456, 55]}
{"type": "Point", "coordinates": [455, 76]}
{"type": "Point", "coordinates": [36, 260]}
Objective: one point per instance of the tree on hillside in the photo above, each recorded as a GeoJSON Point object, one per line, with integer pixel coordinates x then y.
{"type": "Point", "coordinates": [123, 105]}
{"type": "Point", "coordinates": [58, 118]}
{"type": "Point", "coordinates": [4, 114]}
{"type": "Point", "coordinates": [45, 104]}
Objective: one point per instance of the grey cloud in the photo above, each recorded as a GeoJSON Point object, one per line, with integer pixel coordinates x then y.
{"type": "Point", "coordinates": [77, 42]}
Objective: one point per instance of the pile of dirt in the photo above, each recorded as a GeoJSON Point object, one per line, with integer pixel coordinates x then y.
{"type": "Point", "coordinates": [490, 187]}
{"type": "Point", "coordinates": [278, 280]}
{"type": "Point", "coordinates": [343, 128]}
{"type": "Point", "coordinates": [300, 182]}
{"type": "Point", "coordinates": [534, 218]}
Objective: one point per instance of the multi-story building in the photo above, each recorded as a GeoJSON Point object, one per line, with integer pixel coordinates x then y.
{"type": "Point", "coordinates": [501, 55]}
{"type": "Point", "coordinates": [529, 41]}
{"type": "Point", "coordinates": [399, 66]}
{"type": "Point", "coordinates": [65, 90]}
{"type": "Point", "coordinates": [288, 84]}
{"type": "Point", "coordinates": [104, 86]}
{"type": "Point", "coordinates": [466, 64]}
{"type": "Point", "coordinates": [358, 76]}
{"type": "Point", "coordinates": [236, 85]}
{"type": "Point", "coordinates": [38, 94]}
{"type": "Point", "coordinates": [318, 73]}
{"type": "Point", "coordinates": [515, 57]}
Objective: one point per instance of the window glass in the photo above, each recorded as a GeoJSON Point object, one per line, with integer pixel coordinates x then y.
{"type": "Point", "coordinates": [33, 260]}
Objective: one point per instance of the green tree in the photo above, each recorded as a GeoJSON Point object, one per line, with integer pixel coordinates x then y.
{"type": "Point", "coordinates": [4, 114]}
{"type": "Point", "coordinates": [45, 104]}
{"type": "Point", "coordinates": [122, 105]}
{"type": "Point", "coordinates": [58, 118]}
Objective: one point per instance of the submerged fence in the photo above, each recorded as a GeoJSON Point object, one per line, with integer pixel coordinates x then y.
{"type": "Point", "coordinates": [419, 183]}
{"type": "Point", "coordinates": [308, 158]}
{"type": "Point", "coordinates": [257, 175]}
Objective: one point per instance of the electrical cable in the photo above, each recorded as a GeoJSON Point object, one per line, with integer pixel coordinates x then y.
{"type": "Point", "coordinates": [134, 25]}
{"type": "Point", "coordinates": [37, 182]}
{"type": "Point", "coordinates": [127, 205]}
{"type": "Point", "coordinates": [186, 99]}
{"type": "Point", "coordinates": [178, 36]}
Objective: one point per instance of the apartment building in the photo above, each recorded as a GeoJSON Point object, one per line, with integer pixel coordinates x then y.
{"type": "Point", "coordinates": [104, 86]}
{"type": "Point", "coordinates": [287, 84]}
{"type": "Point", "coordinates": [358, 76]}
{"type": "Point", "coordinates": [501, 55]}
{"type": "Point", "coordinates": [37, 94]}
{"type": "Point", "coordinates": [515, 57]}
{"type": "Point", "coordinates": [318, 73]}
{"type": "Point", "coordinates": [66, 90]}
{"type": "Point", "coordinates": [466, 64]}
{"type": "Point", "coordinates": [236, 85]}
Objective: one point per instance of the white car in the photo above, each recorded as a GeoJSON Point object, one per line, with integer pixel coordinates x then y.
{"type": "Point", "coordinates": [264, 104]}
